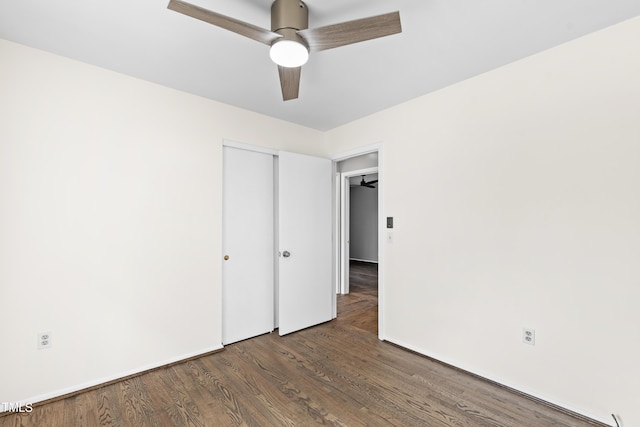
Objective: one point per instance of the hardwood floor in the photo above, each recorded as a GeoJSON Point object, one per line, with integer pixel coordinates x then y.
{"type": "Point", "coordinates": [359, 308]}
{"type": "Point", "coordinates": [337, 373]}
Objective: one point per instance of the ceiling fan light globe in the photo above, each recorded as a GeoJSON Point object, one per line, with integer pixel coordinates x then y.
{"type": "Point", "coordinates": [289, 53]}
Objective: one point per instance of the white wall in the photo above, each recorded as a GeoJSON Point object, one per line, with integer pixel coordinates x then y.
{"type": "Point", "coordinates": [528, 216]}
{"type": "Point", "coordinates": [110, 217]}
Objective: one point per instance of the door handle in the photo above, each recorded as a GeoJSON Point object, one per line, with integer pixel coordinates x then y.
{"type": "Point", "coordinates": [286, 254]}
{"type": "Point", "coordinates": [226, 257]}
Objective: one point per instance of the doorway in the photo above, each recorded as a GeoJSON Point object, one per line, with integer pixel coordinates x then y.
{"type": "Point", "coordinates": [358, 220]}
{"type": "Point", "coordinates": [361, 170]}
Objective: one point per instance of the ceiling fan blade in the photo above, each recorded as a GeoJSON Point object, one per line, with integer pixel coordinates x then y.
{"type": "Point", "coordinates": [350, 32]}
{"type": "Point", "coordinates": [289, 81]}
{"type": "Point", "coordinates": [372, 182]}
{"type": "Point", "coordinates": [239, 27]}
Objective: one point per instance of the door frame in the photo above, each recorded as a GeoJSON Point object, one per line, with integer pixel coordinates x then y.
{"type": "Point", "coordinates": [378, 147]}
{"type": "Point", "coordinates": [345, 223]}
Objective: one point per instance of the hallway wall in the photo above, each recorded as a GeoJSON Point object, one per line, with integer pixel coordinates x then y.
{"type": "Point", "coordinates": [363, 224]}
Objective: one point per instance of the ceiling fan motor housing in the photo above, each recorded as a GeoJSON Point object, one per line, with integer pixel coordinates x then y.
{"type": "Point", "coordinates": [287, 17]}
{"type": "Point", "coordinates": [289, 14]}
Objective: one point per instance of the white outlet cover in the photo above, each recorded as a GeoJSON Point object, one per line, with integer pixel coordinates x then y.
{"type": "Point", "coordinates": [44, 340]}
{"type": "Point", "coordinates": [529, 336]}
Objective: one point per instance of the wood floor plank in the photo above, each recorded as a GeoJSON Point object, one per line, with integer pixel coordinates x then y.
{"type": "Point", "coordinates": [265, 397]}
{"type": "Point", "coordinates": [180, 404]}
{"type": "Point", "coordinates": [136, 403]}
{"type": "Point", "coordinates": [289, 392]}
{"type": "Point", "coordinates": [47, 415]}
{"type": "Point", "coordinates": [79, 410]}
{"type": "Point", "coordinates": [337, 374]}
{"type": "Point", "coordinates": [305, 399]}
{"type": "Point", "coordinates": [194, 380]}
{"type": "Point", "coordinates": [162, 398]}
{"type": "Point", "coordinates": [374, 382]}
{"type": "Point", "coordinates": [229, 393]}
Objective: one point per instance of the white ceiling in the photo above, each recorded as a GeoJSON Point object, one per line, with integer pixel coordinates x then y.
{"type": "Point", "coordinates": [443, 42]}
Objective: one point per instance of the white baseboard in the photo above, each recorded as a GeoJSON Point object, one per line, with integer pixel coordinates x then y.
{"type": "Point", "coordinates": [501, 383]}
{"type": "Point", "coordinates": [99, 381]}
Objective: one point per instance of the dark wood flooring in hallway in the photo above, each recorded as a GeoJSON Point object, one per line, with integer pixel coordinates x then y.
{"type": "Point", "coordinates": [338, 373]}
{"type": "Point", "coordinates": [359, 308]}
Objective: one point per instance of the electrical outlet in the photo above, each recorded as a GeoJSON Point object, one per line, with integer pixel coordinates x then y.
{"type": "Point", "coordinates": [529, 336]}
{"type": "Point", "coordinates": [44, 340]}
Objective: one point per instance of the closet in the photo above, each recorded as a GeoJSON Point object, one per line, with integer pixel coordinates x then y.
{"type": "Point", "coordinates": [276, 237]}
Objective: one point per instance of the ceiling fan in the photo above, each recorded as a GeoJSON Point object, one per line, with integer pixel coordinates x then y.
{"type": "Point", "coordinates": [368, 184]}
{"type": "Point", "coordinates": [290, 38]}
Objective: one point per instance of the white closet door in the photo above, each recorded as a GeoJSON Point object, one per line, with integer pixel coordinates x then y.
{"type": "Point", "coordinates": [248, 242]}
{"type": "Point", "coordinates": [305, 288]}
